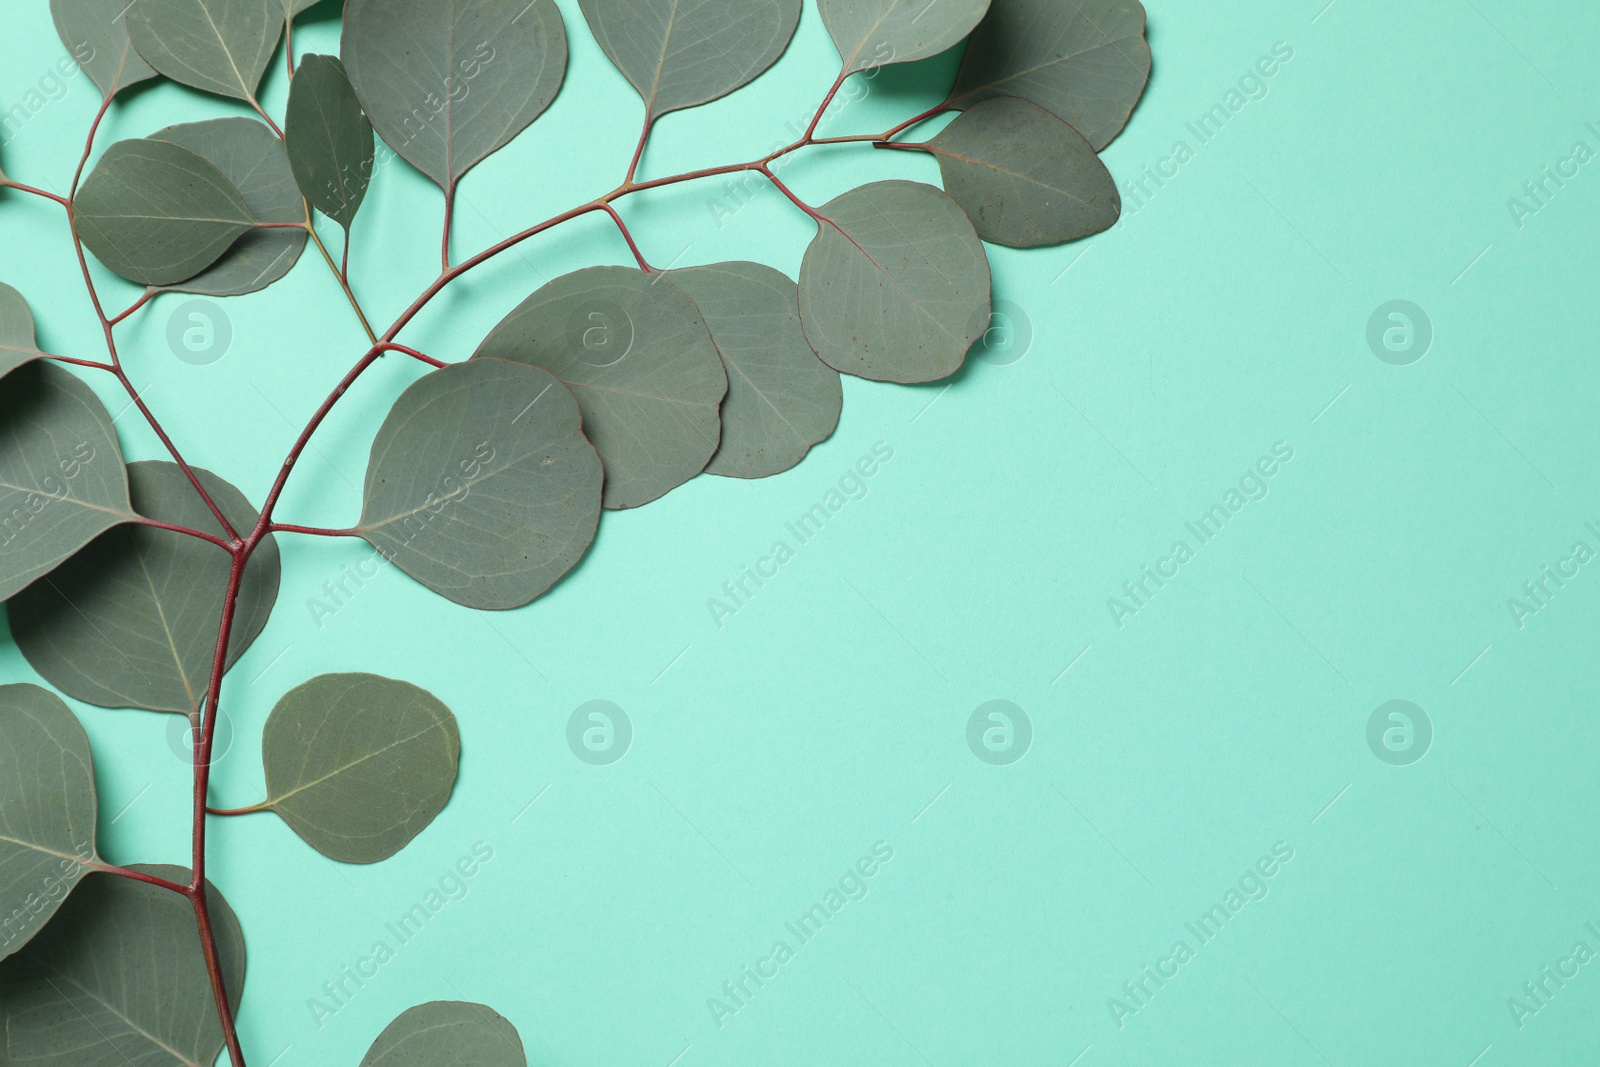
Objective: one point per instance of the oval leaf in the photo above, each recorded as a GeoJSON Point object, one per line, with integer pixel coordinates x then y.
{"type": "Point", "coordinates": [47, 810]}
{"type": "Point", "coordinates": [251, 157]}
{"type": "Point", "coordinates": [449, 82]}
{"type": "Point", "coordinates": [62, 480]}
{"type": "Point", "coordinates": [358, 765]}
{"type": "Point", "coordinates": [896, 285]}
{"type": "Point", "coordinates": [330, 139]}
{"type": "Point", "coordinates": [1086, 61]}
{"type": "Point", "coordinates": [447, 1032]}
{"type": "Point", "coordinates": [131, 621]}
{"type": "Point", "coordinates": [1025, 177]}
{"type": "Point", "coordinates": [877, 33]}
{"type": "Point", "coordinates": [119, 978]}
{"type": "Point", "coordinates": [680, 55]}
{"type": "Point", "coordinates": [156, 213]}
{"type": "Point", "coordinates": [642, 364]}
{"type": "Point", "coordinates": [19, 343]}
{"type": "Point", "coordinates": [221, 46]}
{"type": "Point", "coordinates": [482, 486]}
{"type": "Point", "coordinates": [96, 33]}
{"type": "Point", "coordinates": [781, 399]}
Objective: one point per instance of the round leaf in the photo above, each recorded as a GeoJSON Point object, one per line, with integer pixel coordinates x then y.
{"type": "Point", "coordinates": [449, 82]}
{"type": "Point", "coordinates": [330, 140]}
{"type": "Point", "coordinates": [358, 765]}
{"type": "Point", "coordinates": [47, 810]}
{"type": "Point", "coordinates": [447, 1032]}
{"type": "Point", "coordinates": [642, 364]}
{"type": "Point", "coordinates": [251, 157]}
{"type": "Point", "coordinates": [781, 399]}
{"type": "Point", "coordinates": [1025, 177]}
{"type": "Point", "coordinates": [157, 213]}
{"type": "Point", "coordinates": [221, 46]}
{"type": "Point", "coordinates": [896, 285]}
{"type": "Point", "coordinates": [132, 621]}
{"type": "Point", "coordinates": [482, 486]}
{"type": "Point", "coordinates": [679, 54]}
{"type": "Point", "coordinates": [62, 480]}
{"type": "Point", "coordinates": [1086, 61]}
{"type": "Point", "coordinates": [119, 978]}
{"type": "Point", "coordinates": [96, 33]}
{"type": "Point", "coordinates": [877, 33]}
{"type": "Point", "coordinates": [19, 343]}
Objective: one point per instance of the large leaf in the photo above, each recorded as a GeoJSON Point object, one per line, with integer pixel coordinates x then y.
{"type": "Point", "coordinates": [132, 621]}
{"type": "Point", "coordinates": [1085, 60]}
{"type": "Point", "coordinates": [358, 765]}
{"type": "Point", "coordinates": [877, 33]}
{"type": "Point", "coordinates": [482, 486]}
{"type": "Point", "coordinates": [119, 979]}
{"type": "Point", "coordinates": [896, 285]}
{"type": "Point", "coordinates": [1025, 177]}
{"type": "Point", "coordinates": [448, 82]}
{"type": "Point", "coordinates": [47, 810]}
{"type": "Point", "coordinates": [684, 53]}
{"type": "Point", "coordinates": [96, 33]}
{"type": "Point", "coordinates": [157, 213]}
{"type": "Point", "coordinates": [330, 140]}
{"type": "Point", "coordinates": [251, 157]}
{"type": "Point", "coordinates": [62, 480]}
{"type": "Point", "coordinates": [221, 46]}
{"type": "Point", "coordinates": [447, 1033]}
{"type": "Point", "coordinates": [19, 343]}
{"type": "Point", "coordinates": [781, 399]}
{"type": "Point", "coordinates": [642, 364]}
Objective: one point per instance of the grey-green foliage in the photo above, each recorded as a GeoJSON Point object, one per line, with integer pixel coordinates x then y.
{"type": "Point", "coordinates": [876, 33]}
{"type": "Point", "coordinates": [329, 138]}
{"type": "Point", "coordinates": [131, 621]}
{"type": "Point", "coordinates": [19, 342]}
{"type": "Point", "coordinates": [96, 33]}
{"type": "Point", "coordinates": [447, 1034]}
{"type": "Point", "coordinates": [221, 46]}
{"type": "Point", "coordinates": [358, 765]}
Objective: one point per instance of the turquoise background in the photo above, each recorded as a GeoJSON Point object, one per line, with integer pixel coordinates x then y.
{"type": "Point", "coordinates": [1169, 754]}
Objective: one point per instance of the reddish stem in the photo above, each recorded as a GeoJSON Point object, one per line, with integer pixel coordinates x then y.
{"type": "Point", "coordinates": [628, 236]}
{"type": "Point", "coordinates": [7, 183]}
{"type": "Point", "coordinates": [137, 304]}
{"type": "Point", "coordinates": [390, 346]}
{"type": "Point", "coordinates": [816, 119]}
{"type": "Point", "coordinates": [932, 112]}
{"type": "Point", "coordinates": [449, 224]}
{"type": "Point", "coordinates": [137, 876]}
{"type": "Point", "coordinates": [187, 531]}
{"type": "Point", "coordinates": [638, 153]}
{"type": "Point", "coordinates": [251, 810]}
{"type": "Point", "coordinates": [313, 531]}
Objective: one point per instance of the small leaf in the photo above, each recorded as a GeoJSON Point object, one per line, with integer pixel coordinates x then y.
{"type": "Point", "coordinates": [62, 480]}
{"type": "Point", "coordinates": [1086, 61]}
{"type": "Point", "coordinates": [131, 621]}
{"type": "Point", "coordinates": [96, 33]}
{"type": "Point", "coordinates": [482, 486]}
{"type": "Point", "coordinates": [449, 82]}
{"type": "Point", "coordinates": [359, 765]}
{"type": "Point", "coordinates": [1025, 177]}
{"type": "Point", "coordinates": [19, 343]}
{"type": "Point", "coordinates": [447, 1032]}
{"type": "Point", "coordinates": [156, 213]}
{"type": "Point", "coordinates": [330, 140]}
{"type": "Point", "coordinates": [782, 399]}
{"type": "Point", "coordinates": [251, 157]}
{"type": "Point", "coordinates": [642, 364]}
{"type": "Point", "coordinates": [119, 978]}
{"type": "Point", "coordinates": [221, 46]}
{"type": "Point", "coordinates": [877, 33]}
{"type": "Point", "coordinates": [896, 285]}
{"type": "Point", "coordinates": [680, 55]}
{"type": "Point", "coordinates": [47, 810]}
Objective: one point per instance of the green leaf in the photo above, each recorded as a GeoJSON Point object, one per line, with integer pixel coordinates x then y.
{"type": "Point", "coordinates": [1025, 177]}
{"type": "Point", "coordinates": [877, 33]}
{"type": "Point", "coordinates": [1086, 61]}
{"type": "Point", "coordinates": [62, 480]}
{"type": "Point", "coordinates": [642, 364]}
{"type": "Point", "coordinates": [359, 765]}
{"type": "Point", "coordinates": [19, 343]}
{"type": "Point", "coordinates": [896, 285]}
{"type": "Point", "coordinates": [782, 399]}
{"type": "Point", "coordinates": [330, 140]}
{"type": "Point", "coordinates": [96, 33]}
{"type": "Point", "coordinates": [251, 157]}
{"type": "Point", "coordinates": [447, 1032]}
{"type": "Point", "coordinates": [482, 486]}
{"type": "Point", "coordinates": [119, 978]}
{"type": "Point", "coordinates": [47, 810]}
{"type": "Point", "coordinates": [157, 214]}
{"type": "Point", "coordinates": [132, 621]}
{"type": "Point", "coordinates": [221, 46]}
{"type": "Point", "coordinates": [449, 82]}
{"type": "Point", "coordinates": [684, 53]}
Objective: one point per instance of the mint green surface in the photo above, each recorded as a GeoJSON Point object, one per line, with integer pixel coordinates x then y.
{"type": "Point", "coordinates": [1225, 316]}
